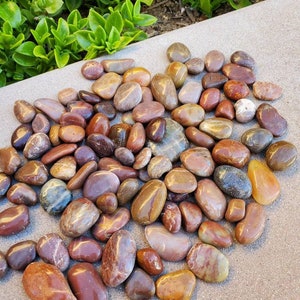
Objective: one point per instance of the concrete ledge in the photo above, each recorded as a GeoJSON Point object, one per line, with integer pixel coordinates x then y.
{"type": "Point", "coordinates": [269, 31]}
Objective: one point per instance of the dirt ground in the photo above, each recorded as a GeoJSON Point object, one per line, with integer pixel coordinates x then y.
{"type": "Point", "coordinates": [172, 14]}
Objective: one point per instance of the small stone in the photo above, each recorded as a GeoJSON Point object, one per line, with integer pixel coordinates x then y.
{"type": "Point", "coordinates": [105, 108]}
{"type": "Point", "coordinates": [71, 133]}
{"type": "Point", "coordinates": [101, 144]}
{"type": "Point", "coordinates": [195, 65]}
{"type": "Point", "coordinates": [20, 136]}
{"type": "Point", "coordinates": [40, 123]}
{"type": "Point", "coordinates": [22, 193]}
{"type": "Point", "coordinates": [24, 111]}
{"type": "Point", "coordinates": [214, 60]}
{"type": "Point", "coordinates": [242, 58]}
{"type": "Point", "coordinates": [147, 111]}
{"type": "Point", "coordinates": [71, 118]}
{"type": "Point", "coordinates": [124, 156]}
{"type": "Point", "coordinates": [210, 98]}
{"type": "Point", "coordinates": [281, 155]}
{"type": "Point", "coordinates": [189, 114]}
{"type": "Point", "coordinates": [127, 190]}
{"type": "Point", "coordinates": [67, 95]}
{"type": "Point", "coordinates": [269, 118]}
{"type": "Point", "coordinates": [149, 260]}
{"type": "Point", "coordinates": [142, 158]}
{"type": "Point", "coordinates": [140, 75]}
{"type": "Point", "coordinates": [54, 196]}
{"type": "Point", "coordinates": [257, 139]}
{"type": "Point", "coordinates": [51, 248]}
{"type": "Point", "coordinates": [245, 110]}
{"type": "Point", "coordinates": [118, 134]}
{"type": "Point", "coordinates": [208, 263]}
{"type": "Point", "coordinates": [64, 168]}
{"type": "Point", "coordinates": [84, 154]}
{"type": "Point", "coordinates": [171, 217]}
{"type": "Point", "coordinates": [235, 211]}
{"type": "Point", "coordinates": [92, 70]}
{"type": "Point", "coordinates": [225, 109]}
{"type": "Point", "coordinates": [36, 146]}
{"type": "Point", "coordinates": [5, 182]}
{"type": "Point", "coordinates": [178, 72]}
{"type": "Point", "coordinates": [169, 246]}
{"type": "Point", "coordinates": [240, 73]}
{"type": "Point", "coordinates": [50, 107]}
{"type": "Point", "coordinates": [155, 130]}
{"type": "Point", "coordinates": [136, 138]}
{"type": "Point", "coordinates": [266, 90]}
{"type": "Point", "coordinates": [176, 285]}
{"type": "Point", "coordinates": [10, 160]}
{"type": "Point", "coordinates": [107, 203]}
{"type": "Point", "coordinates": [119, 66]}
{"type": "Point", "coordinates": [235, 90]}
{"type": "Point", "coordinates": [190, 92]}
{"type": "Point", "coordinates": [85, 109]}
{"type": "Point", "coordinates": [107, 85]}
{"type": "Point", "coordinates": [213, 80]}
{"type": "Point", "coordinates": [191, 216]}
{"type": "Point", "coordinates": [218, 128]}
{"type": "Point", "coordinates": [51, 282]}
{"type": "Point", "coordinates": [199, 138]}
{"type": "Point", "coordinates": [233, 181]}
{"type": "Point", "coordinates": [265, 185]}
{"type": "Point", "coordinates": [159, 165]}
{"type": "Point", "coordinates": [178, 52]}
{"type": "Point", "coordinates": [58, 152]}
{"type": "Point", "coordinates": [78, 217]}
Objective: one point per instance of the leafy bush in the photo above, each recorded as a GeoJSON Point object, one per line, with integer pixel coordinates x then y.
{"type": "Point", "coordinates": [35, 38]}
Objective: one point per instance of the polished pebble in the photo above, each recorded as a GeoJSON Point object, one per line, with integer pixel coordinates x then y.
{"type": "Point", "coordinates": [159, 165]}
{"type": "Point", "coordinates": [150, 261]}
{"type": "Point", "coordinates": [171, 217]}
{"type": "Point", "coordinates": [213, 80]}
{"type": "Point", "coordinates": [106, 108]}
{"type": "Point", "coordinates": [119, 133]}
{"type": "Point", "coordinates": [208, 263]}
{"type": "Point", "coordinates": [64, 168]}
{"type": "Point", "coordinates": [118, 258]}
{"type": "Point", "coordinates": [71, 133]}
{"type": "Point", "coordinates": [58, 152]}
{"type": "Point", "coordinates": [5, 182]}
{"type": "Point", "coordinates": [24, 111]}
{"type": "Point", "coordinates": [218, 128]}
{"type": "Point", "coordinates": [231, 152]}
{"type": "Point", "coordinates": [124, 156]}
{"type": "Point", "coordinates": [190, 92]}
{"type": "Point", "coordinates": [233, 181]}
{"type": "Point", "coordinates": [107, 203]}
{"type": "Point", "coordinates": [269, 118]}
{"type": "Point", "coordinates": [72, 118]}
{"type": "Point", "coordinates": [101, 144]}
{"type": "Point", "coordinates": [178, 73]}
{"type": "Point", "coordinates": [92, 70]}
{"type": "Point", "coordinates": [140, 75]}
{"type": "Point", "coordinates": [191, 215]}
{"type": "Point", "coordinates": [195, 65]}
{"type": "Point", "coordinates": [199, 138]}
{"type": "Point", "coordinates": [22, 193]}
{"type": "Point", "coordinates": [269, 91]}
{"type": "Point", "coordinates": [155, 129]}
{"type": "Point", "coordinates": [198, 160]}
{"type": "Point", "coordinates": [190, 114]}
{"type": "Point", "coordinates": [36, 145]}
{"type": "Point", "coordinates": [14, 220]}
{"type": "Point", "coordinates": [252, 226]}
{"type": "Point", "coordinates": [210, 199]}
{"type": "Point", "coordinates": [82, 108]}
{"type": "Point", "coordinates": [54, 196]}
{"type": "Point", "coordinates": [107, 85]}
{"type": "Point", "coordinates": [21, 254]}
{"type": "Point", "coordinates": [136, 138]}
{"type": "Point", "coordinates": [127, 190]}
{"type": "Point", "coordinates": [215, 234]}
{"type": "Point", "coordinates": [210, 98]}
{"type": "Point", "coordinates": [78, 217]}
{"type": "Point", "coordinates": [142, 158]}
{"type": "Point", "coordinates": [139, 285]}
{"type": "Point", "coordinates": [281, 155]}
{"type": "Point", "coordinates": [10, 160]}
{"type": "Point", "coordinates": [225, 109]}
{"type": "Point", "coordinates": [86, 283]}
{"type": "Point", "coordinates": [257, 139]}
{"type": "Point", "coordinates": [169, 246]}
{"type": "Point", "coordinates": [240, 73]}
{"type": "Point", "coordinates": [52, 283]}
{"type": "Point", "coordinates": [20, 136]}
{"type": "Point", "coordinates": [214, 60]}
{"type": "Point", "coordinates": [235, 89]}
{"type": "Point", "coordinates": [84, 154]}
{"type": "Point", "coordinates": [88, 97]}
{"type": "Point", "coordinates": [85, 249]}
{"type": "Point", "coordinates": [245, 110]}
{"type": "Point", "coordinates": [52, 249]}
{"type": "Point", "coordinates": [50, 107]}
{"type": "Point", "coordinates": [149, 202]}
{"type": "Point", "coordinates": [178, 52]}
{"type": "Point", "coordinates": [236, 209]}
{"type": "Point", "coordinates": [119, 66]}
{"type": "Point", "coordinates": [40, 123]}
{"type": "Point", "coordinates": [3, 265]}
{"type": "Point", "coordinates": [53, 135]}
{"type": "Point", "coordinates": [147, 111]}
{"type": "Point", "coordinates": [176, 285]}
{"type": "Point", "coordinates": [243, 58]}
{"type": "Point", "coordinates": [265, 185]}
{"type": "Point", "coordinates": [67, 95]}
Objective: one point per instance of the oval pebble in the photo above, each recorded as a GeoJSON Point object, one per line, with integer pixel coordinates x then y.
{"type": "Point", "coordinates": [218, 128]}
{"type": "Point", "coordinates": [149, 260]}
{"type": "Point", "coordinates": [189, 114]}
{"type": "Point", "coordinates": [235, 89]}
{"type": "Point", "coordinates": [190, 92]}
{"type": "Point", "coordinates": [240, 73]}
{"type": "Point", "coordinates": [22, 193]}
{"type": "Point", "coordinates": [178, 52]}
{"type": "Point", "coordinates": [107, 85]}
{"type": "Point", "coordinates": [245, 110]}
{"type": "Point", "coordinates": [257, 139]}
{"type": "Point", "coordinates": [244, 59]}
{"type": "Point", "coordinates": [269, 91]}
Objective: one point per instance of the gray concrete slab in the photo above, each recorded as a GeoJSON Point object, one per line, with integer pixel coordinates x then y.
{"type": "Point", "coordinates": [269, 31]}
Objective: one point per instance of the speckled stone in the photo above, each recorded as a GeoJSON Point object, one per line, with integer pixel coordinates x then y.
{"type": "Point", "coordinates": [256, 139]}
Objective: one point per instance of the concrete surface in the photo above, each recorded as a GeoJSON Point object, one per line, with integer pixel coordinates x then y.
{"type": "Point", "coordinates": [269, 31]}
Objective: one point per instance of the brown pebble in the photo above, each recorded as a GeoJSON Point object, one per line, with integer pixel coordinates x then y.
{"type": "Point", "coordinates": [50, 107]}
{"type": "Point", "coordinates": [36, 145]}
{"type": "Point", "coordinates": [71, 133]}
{"type": "Point", "coordinates": [67, 95]}
{"type": "Point", "coordinates": [199, 138]}
{"type": "Point", "coordinates": [147, 111]}
{"type": "Point", "coordinates": [171, 217]}
{"type": "Point", "coordinates": [136, 138]}
{"type": "Point", "coordinates": [3, 265]}
{"type": "Point", "coordinates": [235, 211]}
{"type": "Point", "coordinates": [195, 65]}
{"type": "Point", "coordinates": [235, 89]}
{"type": "Point", "coordinates": [10, 160]}
{"type": "Point", "coordinates": [210, 98]}
{"type": "Point", "coordinates": [24, 111]}
{"type": "Point", "coordinates": [107, 85]}
{"type": "Point", "coordinates": [107, 203]}
{"type": "Point", "coordinates": [190, 114]}
{"type": "Point", "coordinates": [214, 60]}
{"type": "Point", "coordinates": [139, 75]}
{"type": "Point", "coordinates": [178, 72]}
{"type": "Point", "coordinates": [269, 91]}
{"type": "Point", "coordinates": [72, 118]}
{"type": "Point", "coordinates": [119, 66]}
{"type": "Point", "coordinates": [158, 165]}
{"type": "Point", "coordinates": [240, 73]}
{"type": "Point", "coordinates": [225, 109]}
{"type": "Point", "coordinates": [155, 129]}
{"type": "Point", "coordinates": [5, 182]}
{"type": "Point", "coordinates": [99, 123]}
{"type": "Point", "coordinates": [20, 136]}
{"type": "Point", "coordinates": [40, 123]}
{"type": "Point", "coordinates": [57, 152]}
{"type": "Point", "coordinates": [92, 70]}
{"type": "Point", "coordinates": [191, 216]}
{"type": "Point", "coordinates": [82, 108]}
{"type": "Point", "coordinates": [150, 261]}
{"type": "Point", "coordinates": [22, 193]}
{"type": "Point", "coordinates": [213, 80]}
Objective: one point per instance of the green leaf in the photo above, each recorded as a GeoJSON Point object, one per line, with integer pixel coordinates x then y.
{"type": "Point", "coordinates": [73, 4]}
{"type": "Point", "coordinates": [18, 41]}
{"type": "Point", "coordinates": [7, 29]}
{"type": "Point", "coordinates": [24, 55]}
{"type": "Point", "coordinates": [144, 20]}
{"type": "Point", "coordinates": [127, 10]}
{"type": "Point", "coordinates": [136, 8]}
{"type": "Point", "coordinates": [95, 19]}
{"type": "Point", "coordinates": [61, 58]}
{"type": "Point", "coordinates": [10, 12]}
{"type": "Point", "coordinates": [2, 79]}
{"type": "Point", "coordinates": [147, 2]}
{"type": "Point", "coordinates": [3, 58]}
{"type": "Point", "coordinates": [40, 52]}
{"type": "Point", "coordinates": [239, 4]}
{"type": "Point", "coordinates": [113, 36]}
{"type": "Point", "coordinates": [206, 7]}
{"type": "Point", "coordinates": [114, 20]}
{"type": "Point", "coordinates": [100, 35]}
{"type": "Point", "coordinates": [84, 38]}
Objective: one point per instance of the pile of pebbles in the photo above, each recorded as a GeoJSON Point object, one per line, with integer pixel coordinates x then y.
{"type": "Point", "coordinates": [157, 150]}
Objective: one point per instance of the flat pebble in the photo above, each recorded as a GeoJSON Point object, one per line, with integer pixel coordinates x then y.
{"type": "Point", "coordinates": [210, 98]}
{"type": "Point", "coordinates": [10, 160]}
{"type": "Point", "coordinates": [140, 75]}
{"type": "Point", "coordinates": [189, 114]}
{"type": "Point", "coordinates": [213, 80]}
{"type": "Point", "coordinates": [101, 144]}
{"type": "Point", "coordinates": [159, 165]}
{"type": "Point", "coordinates": [119, 66]}
{"type": "Point", "coordinates": [269, 91]}
{"type": "Point", "coordinates": [218, 128]}
{"type": "Point", "coordinates": [171, 217]}
{"type": "Point", "coordinates": [24, 111]}
{"type": "Point", "coordinates": [50, 107]}
{"type": "Point", "coordinates": [190, 92]}
{"type": "Point", "coordinates": [244, 59]}
{"type": "Point", "coordinates": [256, 139]}
{"type": "Point", "coordinates": [107, 85]}
{"type": "Point", "coordinates": [22, 193]}
{"type": "Point", "coordinates": [214, 60]}
{"type": "Point", "coordinates": [240, 73]}
{"type": "Point", "coordinates": [235, 89]}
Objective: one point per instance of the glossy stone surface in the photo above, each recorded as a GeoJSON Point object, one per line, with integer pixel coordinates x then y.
{"type": "Point", "coordinates": [225, 109]}
{"type": "Point", "coordinates": [92, 70]}
{"type": "Point", "coordinates": [67, 95]}
{"type": "Point", "coordinates": [164, 91]}
{"type": "Point", "coordinates": [149, 202]}
{"type": "Point", "coordinates": [20, 136]}
{"type": "Point", "coordinates": [158, 165]}
{"type": "Point", "coordinates": [265, 185]}
{"type": "Point", "coordinates": [86, 282]}
{"type": "Point", "coordinates": [190, 92]}
{"type": "Point", "coordinates": [124, 156]}
{"type": "Point", "coordinates": [36, 145]}
{"type": "Point", "coordinates": [71, 118]}
{"type": "Point", "coordinates": [231, 152]}
{"type": "Point", "coordinates": [173, 143]}
{"type": "Point", "coordinates": [127, 96]}
{"type": "Point", "coordinates": [214, 60]}
{"type": "Point", "coordinates": [101, 144]}
{"type": "Point", "coordinates": [235, 211]}
{"type": "Point", "coordinates": [64, 168]}
{"type": "Point", "coordinates": [213, 80]}
{"type": "Point", "coordinates": [84, 154]}
{"type": "Point", "coordinates": [33, 172]}
{"type": "Point", "coordinates": [54, 196]}
{"type": "Point", "coordinates": [88, 97]}
{"type": "Point", "coordinates": [281, 155]}
{"type": "Point", "coordinates": [119, 66]}
{"type": "Point", "coordinates": [24, 111]}
{"type": "Point", "coordinates": [85, 249]}
{"type": "Point", "coordinates": [210, 199]}
{"type": "Point", "coordinates": [189, 114]}
{"type": "Point", "coordinates": [178, 52]}
{"type": "Point", "coordinates": [171, 217]}
{"type": "Point", "coordinates": [252, 226]}
{"type": "Point", "coordinates": [240, 73]}
{"type": "Point", "coordinates": [169, 246]}
{"type": "Point", "coordinates": [191, 216]}
{"type": "Point", "coordinates": [50, 107]}
{"type": "Point", "coordinates": [266, 90]}
{"type": "Point", "coordinates": [155, 129]}
{"type": "Point", "coordinates": [45, 281]}
{"type": "Point", "coordinates": [136, 138]}
{"type": "Point", "coordinates": [5, 182]}
{"type": "Point", "coordinates": [235, 89]}
{"type": "Point", "coordinates": [106, 108]}
{"type": "Point", "coordinates": [108, 224]}
{"type": "Point", "coordinates": [218, 128]}
{"type": "Point", "coordinates": [243, 58]}
{"type": "Point", "coordinates": [269, 118]}
{"type": "Point", "coordinates": [22, 193]}
{"type": "Point", "coordinates": [52, 249]}
{"type": "Point", "coordinates": [78, 217]}
{"type": "Point", "coordinates": [40, 123]}
{"type": "Point", "coordinates": [245, 110]}
{"type": "Point", "coordinates": [118, 258]}
{"type": "Point", "coordinates": [256, 139]}
{"type": "Point", "coordinates": [82, 108]}
{"type": "Point", "coordinates": [119, 133]}
{"type": "Point", "coordinates": [198, 160]}
{"type": "Point", "coordinates": [176, 285]}
{"type": "Point", "coordinates": [10, 160]}
{"type": "Point", "coordinates": [233, 181]}
{"type": "Point", "coordinates": [21, 254]}
{"type": "Point", "coordinates": [208, 263]}
{"type": "Point", "coordinates": [139, 285]}
{"type": "Point", "coordinates": [107, 85]}
{"type": "Point", "coordinates": [149, 260]}
{"type": "Point", "coordinates": [100, 182]}
{"type": "Point", "coordinates": [213, 233]}
{"type": "Point", "coordinates": [140, 75]}
{"type": "Point", "coordinates": [53, 135]}
{"type": "Point", "coordinates": [180, 180]}
{"type": "Point", "coordinates": [199, 138]}
{"type": "Point", "coordinates": [14, 220]}
{"type": "Point", "coordinates": [210, 98]}
{"type": "Point", "coordinates": [146, 111]}
{"type": "Point", "coordinates": [142, 158]}
{"type": "Point", "coordinates": [195, 65]}
{"type": "Point", "coordinates": [178, 72]}
{"type": "Point", "coordinates": [58, 152]}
